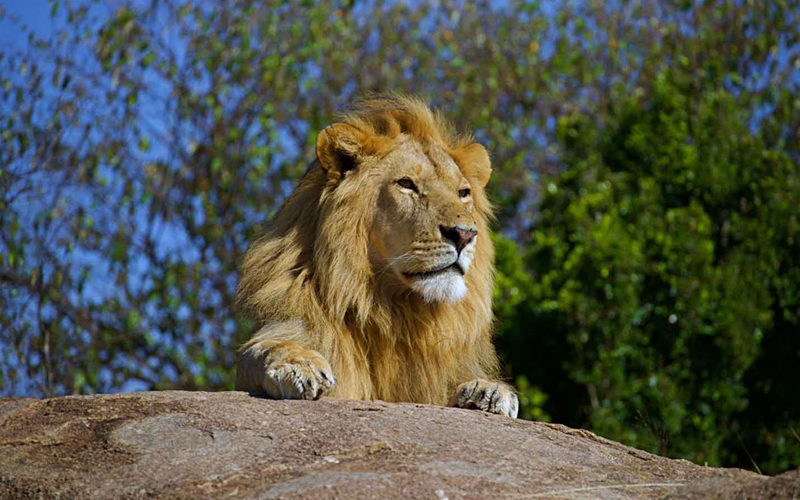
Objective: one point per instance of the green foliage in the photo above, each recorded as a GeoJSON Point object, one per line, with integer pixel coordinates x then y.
{"type": "Point", "coordinates": [657, 262]}
{"type": "Point", "coordinates": [645, 162]}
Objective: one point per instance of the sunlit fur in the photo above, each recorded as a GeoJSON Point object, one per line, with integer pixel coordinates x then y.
{"type": "Point", "coordinates": [312, 268]}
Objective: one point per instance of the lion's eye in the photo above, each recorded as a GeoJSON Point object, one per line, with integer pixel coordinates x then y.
{"type": "Point", "coordinates": [407, 183]}
{"type": "Point", "coordinates": [464, 193]}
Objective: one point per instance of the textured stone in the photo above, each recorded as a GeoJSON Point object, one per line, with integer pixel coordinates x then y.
{"type": "Point", "coordinates": [213, 445]}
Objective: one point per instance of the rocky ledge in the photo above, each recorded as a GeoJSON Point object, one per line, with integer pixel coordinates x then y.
{"type": "Point", "coordinates": [232, 445]}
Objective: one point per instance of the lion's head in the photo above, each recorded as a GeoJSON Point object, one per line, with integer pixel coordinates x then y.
{"type": "Point", "coordinates": [425, 208]}
{"type": "Point", "coordinates": [394, 209]}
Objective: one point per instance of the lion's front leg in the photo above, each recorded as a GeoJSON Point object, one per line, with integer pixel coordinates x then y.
{"type": "Point", "coordinates": [493, 397]}
{"type": "Point", "coordinates": [283, 370]}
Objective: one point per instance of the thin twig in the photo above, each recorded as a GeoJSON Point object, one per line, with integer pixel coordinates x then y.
{"type": "Point", "coordinates": [608, 487]}
{"type": "Point", "coordinates": [748, 453]}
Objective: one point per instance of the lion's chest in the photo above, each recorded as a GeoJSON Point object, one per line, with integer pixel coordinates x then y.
{"type": "Point", "coordinates": [410, 370]}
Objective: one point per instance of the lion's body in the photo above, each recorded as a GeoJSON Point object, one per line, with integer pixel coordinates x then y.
{"type": "Point", "coordinates": [311, 279]}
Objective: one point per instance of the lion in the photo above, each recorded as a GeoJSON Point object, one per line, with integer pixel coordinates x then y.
{"type": "Point", "coordinates": [374, 279]}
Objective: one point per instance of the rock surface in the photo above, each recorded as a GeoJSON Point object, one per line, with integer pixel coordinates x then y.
{"type": "Point", "coordinates": [215, 445]}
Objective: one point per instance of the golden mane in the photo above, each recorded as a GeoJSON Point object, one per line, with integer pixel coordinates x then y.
{"type": "Point", "coordinates": [312, 265]}
{"type": "Point", "coordinates": [391, 115]}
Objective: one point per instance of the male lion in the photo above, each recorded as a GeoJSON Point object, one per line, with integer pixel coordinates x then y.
{"type": "Point", "coordinates": [374, 281]}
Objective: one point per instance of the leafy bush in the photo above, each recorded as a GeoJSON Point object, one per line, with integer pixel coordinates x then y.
{"type": "Point", "coordinates": [657, 267]}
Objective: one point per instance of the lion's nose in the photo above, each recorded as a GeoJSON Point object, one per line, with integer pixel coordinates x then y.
{"type": "Point", "coordinates": [459, 236]}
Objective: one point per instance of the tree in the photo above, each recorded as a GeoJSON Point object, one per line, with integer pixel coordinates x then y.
{"type": "Point", "coordinates": [660, 264]}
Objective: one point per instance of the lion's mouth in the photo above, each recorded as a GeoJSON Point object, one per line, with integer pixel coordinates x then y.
{"type": "Point", "coordinates": [436, 272]}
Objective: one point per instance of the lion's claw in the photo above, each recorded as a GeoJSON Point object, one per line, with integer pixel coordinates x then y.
{"type": "Point", "coordinates": [493, 397]}
{"type": "Point", "coordinates": [306, 377]}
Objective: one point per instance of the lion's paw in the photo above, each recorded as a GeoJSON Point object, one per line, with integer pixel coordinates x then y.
{"type": "Point", "coordinates": [298, 374]}
{"type": "Point", "coordinates": [493, 397]}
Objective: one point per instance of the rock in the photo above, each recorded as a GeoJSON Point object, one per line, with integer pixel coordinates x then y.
{"type": "Point", "coordinates": [783, 486]}
{"type": "Point", "coordinates": [229, 444]}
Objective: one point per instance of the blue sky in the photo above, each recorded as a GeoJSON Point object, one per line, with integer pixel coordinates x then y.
{"type": "Point", "coordinates": [33, 13]}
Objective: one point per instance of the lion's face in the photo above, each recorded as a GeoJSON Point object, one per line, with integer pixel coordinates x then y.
{"type": "Point", "coordinates": [424, 232]}
{"type": "Point", "coordinates": [426, 205]}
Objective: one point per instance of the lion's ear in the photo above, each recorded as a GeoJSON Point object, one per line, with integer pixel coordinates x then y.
{"type": "Point", "coordinates": [338, 147]}
{"type": "Point", "coordinates": [474, 162]}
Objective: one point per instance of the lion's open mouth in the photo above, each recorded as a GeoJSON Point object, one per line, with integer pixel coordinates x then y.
{"type": "Point", "coordinates": [436, 272]}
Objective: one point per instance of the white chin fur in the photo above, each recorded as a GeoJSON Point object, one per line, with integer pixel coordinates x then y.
{"type": "Point", "coordinates": [449, 287]}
